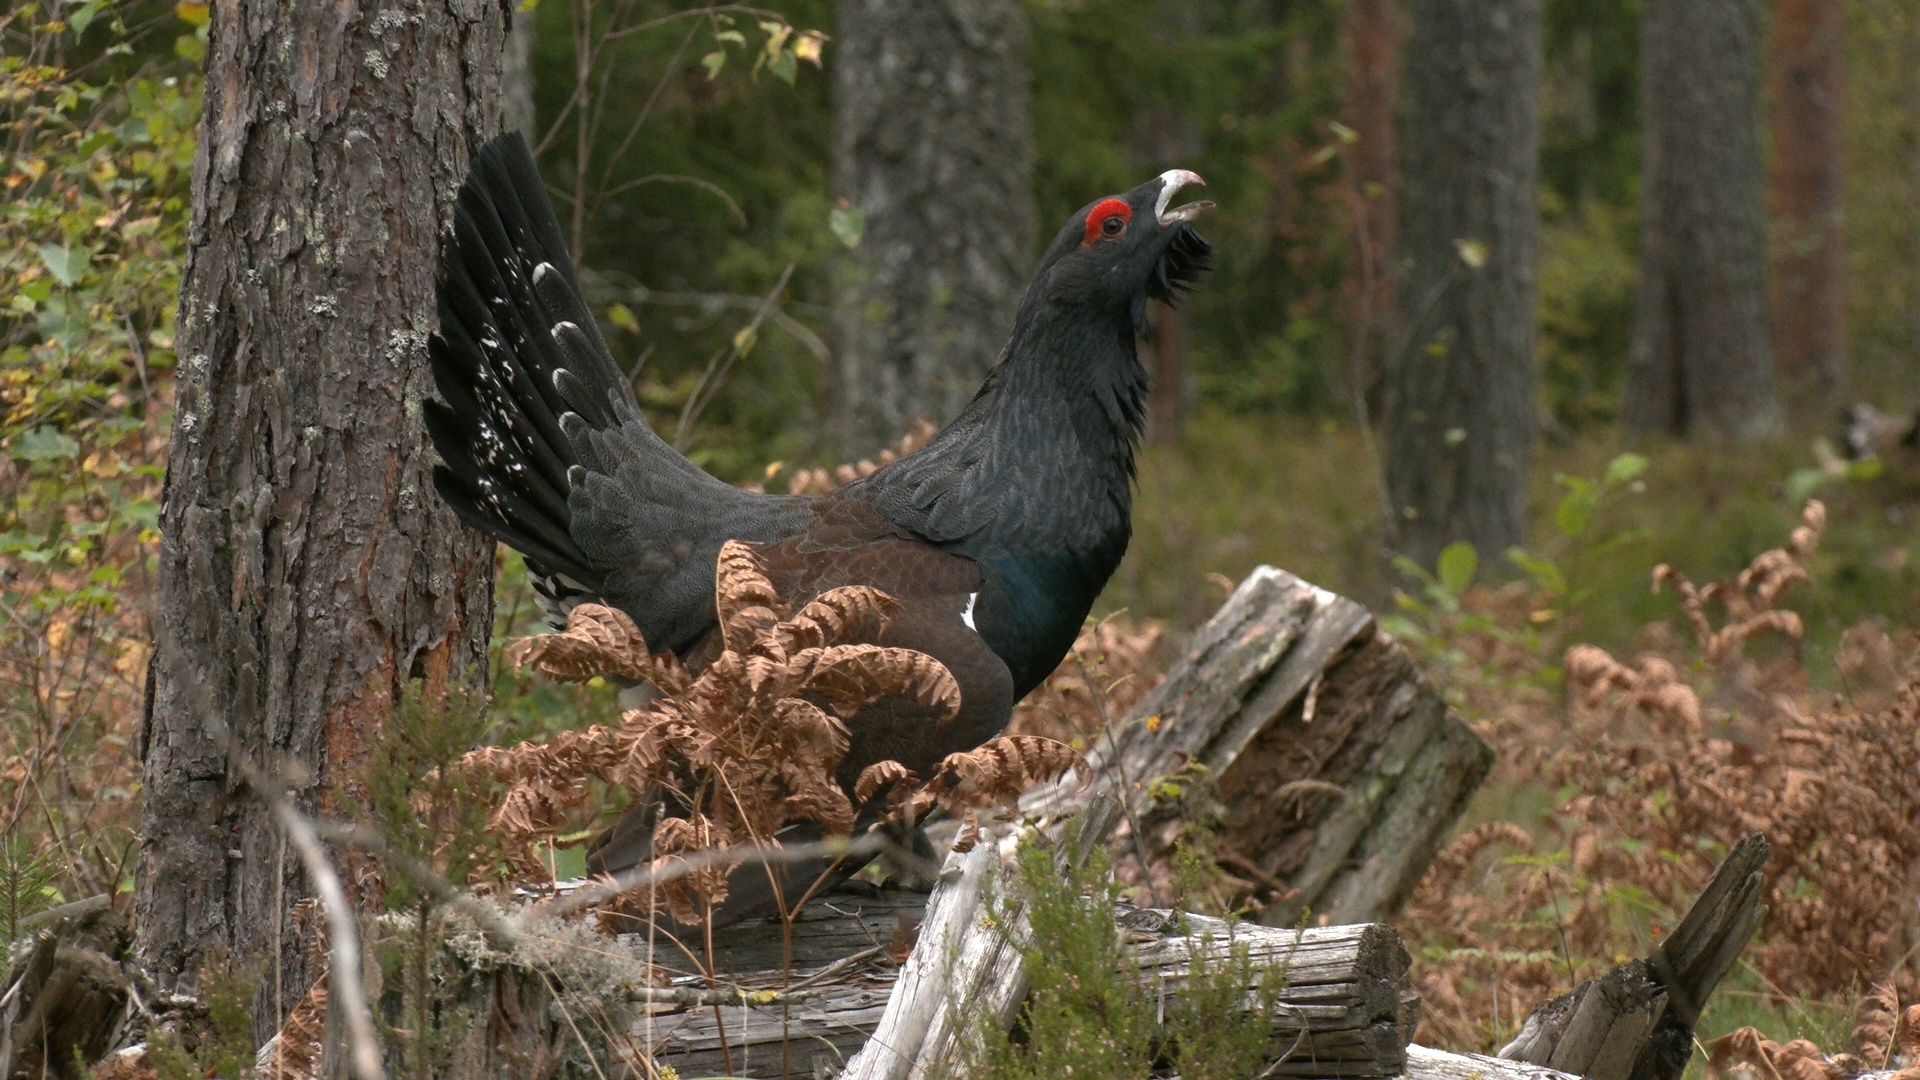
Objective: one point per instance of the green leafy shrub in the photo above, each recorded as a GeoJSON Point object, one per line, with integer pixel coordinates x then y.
{"type": "Point", "coordinates": [98, 149]}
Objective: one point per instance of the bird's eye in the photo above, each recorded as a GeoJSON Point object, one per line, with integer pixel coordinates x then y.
{"type": "Point", "coordinates": [1107, 219]}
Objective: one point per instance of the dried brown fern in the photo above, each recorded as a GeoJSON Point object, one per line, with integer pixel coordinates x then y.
{"type": "Point", "coordinates": [297, 1049]}
{"type": "Point", "coordinates": [1659, 766]}
{"type": "Point", "coordinates": [1748, 600]}
{"type": "Point", "coordinates": [994, 774]}
{"type": "Point", "coordinates": [1747, 1053]}
{"type": "Point", "coordinates": [598, 641]}
{"type": "Point", "coordinates": [751, 743]}
{"type": "Point", "coordinates": [818, 481]}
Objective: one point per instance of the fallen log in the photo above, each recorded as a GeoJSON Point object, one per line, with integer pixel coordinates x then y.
{"type": "Point", "coordinates": [1346, 1006]}
{"type": "Point", "coordinates": [1424, 1063]}
{"type": "Point", "coordinates": [1339, 767]}
{"type": "Point", "coordinates": [64, 998]}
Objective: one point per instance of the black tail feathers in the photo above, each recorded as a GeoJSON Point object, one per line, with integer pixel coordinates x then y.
{"type": "Point", "coordinates": [516, 351]}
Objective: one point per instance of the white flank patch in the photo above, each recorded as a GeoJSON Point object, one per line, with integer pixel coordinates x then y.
{"type": "Point", "coordinates": [967, 615]}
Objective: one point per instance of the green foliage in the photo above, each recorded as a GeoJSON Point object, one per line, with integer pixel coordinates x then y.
{"type": "Point", "coordinates": [1590, 115]}
{"type": "Point", "coordinates": [1221, 1027]}
{"type": "Point", "coordinates": [1561, 570]}
{"type": "Point", "coordinates": [1586, 293]}
{"type": "Point", "coordinates": [223, 1044]}
{"type": "Point", "coordinates": [1088, 1013]}
{"type": "Point", "coordinates": [703, 179]}
{"type": "Point", "coordinates": [98, 116]}
{"type": "Point", "coordinates": [1084, 1016]}
{"type": "Point", "coordinates": [1558, 570]}
{"type": "Point", "coordinates": [430, 818]}
{"type": "Point", "coordinates": [1880, 131]}
{"type": "Point", "coordinates": [27, 885]}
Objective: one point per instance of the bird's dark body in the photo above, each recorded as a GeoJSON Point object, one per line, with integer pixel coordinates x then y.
{"type": "Point", "coordinates": [996, 537]}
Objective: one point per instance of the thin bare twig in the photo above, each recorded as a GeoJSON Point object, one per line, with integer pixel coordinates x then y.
{"type": "Point", "coordinates": [345, 985]}
{"type": "Point", "coordinates": [641, 877]}
{"type": "Point", "coordinates": [722, 362]}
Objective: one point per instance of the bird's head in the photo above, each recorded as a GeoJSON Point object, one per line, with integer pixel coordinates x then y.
{"type": "Point", "coordinates": [1125, 249]}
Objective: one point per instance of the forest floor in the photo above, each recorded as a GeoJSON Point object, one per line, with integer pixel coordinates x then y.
{"type": "Point", "coordinates": [1613, 799]}
{"type": "Point", "coordinates": [1609, 805]}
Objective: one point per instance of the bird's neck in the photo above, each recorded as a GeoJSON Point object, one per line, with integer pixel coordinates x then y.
{"type": "Point", "coordinates": [1063, 413]}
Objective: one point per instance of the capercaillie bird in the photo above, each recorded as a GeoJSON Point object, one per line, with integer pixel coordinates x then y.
{"type": "Point", "coordinates": [995, 537]}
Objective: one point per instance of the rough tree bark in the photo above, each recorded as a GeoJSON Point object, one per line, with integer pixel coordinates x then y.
{"type": "Point", "coordinates": [1372, 38]}
{"type": "Point", "coordinates": [931, 145]}
{"type": "Point", "coordinates": [1807, 68]}
{"type": "Point", "coordinates": [1459, 410]}
{"type": "Point", "coordinates": [1701, 355]}
{"type": "Point", "coordinates": [307, 569]}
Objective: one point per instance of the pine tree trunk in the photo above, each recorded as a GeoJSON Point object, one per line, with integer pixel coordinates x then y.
{"type": "Point", "coordinates": [516, 78]}
{"type": "Point", "coordinates": [1167, 401]}
{"type": "Point", "coordinates": [931, 146]}
{"type": "Point", "coordinates": [1807, 58]}
{"type": "Point", "coordinates": [307, 570]}
{"type": "Point", "coordinates": [1701, 356]}
{"type": "Point", "coordinates": [1459, 409]}
{"type": "Point", "coordinates": [1372, 38]}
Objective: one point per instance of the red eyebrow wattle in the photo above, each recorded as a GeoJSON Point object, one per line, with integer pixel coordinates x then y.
{"type": "Point", "coordinates": [1103, 210]}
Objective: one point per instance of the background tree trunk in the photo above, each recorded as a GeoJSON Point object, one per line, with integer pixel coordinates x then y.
{"type": "Point", "coordinates": [1163, 139]}
{"type": "Point", "coordinates": [1459, 409]}
{"type": "Point", "coordinates": [1700, 354]}
{"type": "Point", "coordinates": [307, 569]}
{"type": "Point", "coordinates": [931, 145]}
{"type": "Point", "coordinates": [516, 78]}
{"type": "Point", "coordinates": [1372, 36]}
{"type": "Point", "coordinates": [1167, 401]}
{"type": "Point", "coordinates": [1807, 67]}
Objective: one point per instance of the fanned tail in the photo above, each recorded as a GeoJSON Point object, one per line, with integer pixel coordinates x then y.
{"type": "Point", "coordinates": [506, 283]}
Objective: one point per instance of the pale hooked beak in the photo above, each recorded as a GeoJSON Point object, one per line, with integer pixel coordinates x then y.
{"type": "Point", "coordinates": [1172, 181]}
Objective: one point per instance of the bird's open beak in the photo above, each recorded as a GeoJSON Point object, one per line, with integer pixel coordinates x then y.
{"type": "Point", "coordinates": [1172, 181]}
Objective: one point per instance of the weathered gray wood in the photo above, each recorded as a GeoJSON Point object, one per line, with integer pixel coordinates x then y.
{"type": "Point", "coordinates": [1637, 1019]}
{"type": "Point", "coordinates": [940, 971]}
{"type": "Point", "coordinates": [1340, 768]}
{"type": "Point", "coordinates": [63, 993]}
{"type": "Point", "coordinates": [1424, 1063]}
{"type": "Point", "coordinates": [1346, 1008]}
{"type": "Point", "coordinates": [1287, 684]}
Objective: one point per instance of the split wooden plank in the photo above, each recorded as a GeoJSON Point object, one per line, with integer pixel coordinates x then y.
{"type": "Point", "coordinates": [1424, 1063]}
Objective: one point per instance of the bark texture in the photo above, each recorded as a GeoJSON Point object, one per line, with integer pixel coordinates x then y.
{"type": "Point", "coordinates": [1807, 68]}
{"type": "Point", "coordinates": [306, 568]}
{"type": "Point", "coordinates": [1701, 356]}
{"type": "Point", "coordinates": [931, 146]}
{"type": "Point", "coordinates": [1372, 38]}
{"type": "Point", "coordinates": [1459, 409]}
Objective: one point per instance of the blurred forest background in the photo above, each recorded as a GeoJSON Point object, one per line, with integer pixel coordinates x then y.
{"type": "Point", "coordinates": [1647, 254]}
{"type": "Point", "coordinates": [1287, 108]}
{"type": "Point", "coordinates": [710, 172]}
